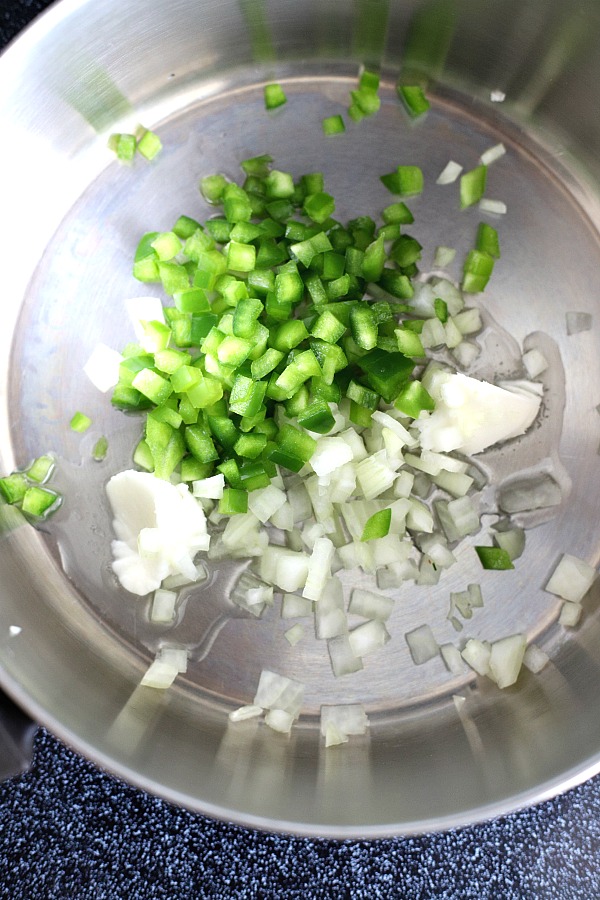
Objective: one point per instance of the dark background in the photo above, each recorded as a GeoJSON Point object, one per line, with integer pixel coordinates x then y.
{"type": "Point", "coordinates": [69, 831]}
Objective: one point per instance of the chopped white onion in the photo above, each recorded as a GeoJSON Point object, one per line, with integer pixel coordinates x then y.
{"type": "Point", "coordinates": [143, 503]}
{"type": "Point", "coordinates": [449, 293]}
{"type": "Point", "coordinates": [348, 718]}
{"type": "Point", "coordinates": [318, 569]}
{"type": "Point", "coordinates": [299, 500]}
{"type": "Point", "coordinates": [283, 518]}
{"type": "Point", "coordinates": [169, 663]}
{"type": "Point", "coordinates": [506, 658]}
{"type": "Point", "coordinates": [329, 454]}
{"type": "Point", "coordinates": [429, 573]}
{"type": "Point", "coordinates": [387, 421]}
{"type": "Point", "coordinates": [449, 173]}
{"type": "Point", "coordinates": [366, 638]}
{"type": "Point", "coordinates": [334, 737]}
{"type": "Point", "coordinates": [497, 207]}
{"type": "Point", "coordinates": [466, 353]}
{"type": "Point", "coordinates": [492, 154]}
{"type": "Point", "coordinates": [394, 575]}
{"type": "Point", "coordinates": [172, 582]}
{"type": "Point", "coordinates": [477, 654]}
{"type": "Point", "coordinates": [330, 614]}
{"type": "Point", "coordinates": [295, 607]}
{"type": "Point", "coordinates": [443, 256]}
{"type": "Point", "coordinates": [251, 594]}
{"type": "Point", "coordinates": [535, 362]}
{"type": "Point", "coordinates": [419, 517]}
{"type": "Point", "coordinates": [162, 611]}
{"type": "Point", "coordinates": [160, 674]}
{"type": "Point", "coordinates": [571, 579]}
{"type": "Point", "coordinates": [374, 476]}
{"type": "Point", "coordinates": [422, 644]}
{"type": "Point", "coordinates": [535, 659]}
{"type": "Point", "coordinates": [343, 659]}
{"type": "Point", "coordinates": [210, 488]}
{"type": "Point", "coordinates": [433, 334]}
{"type": "Point", "coordinates": [512, 540]}
{"type": "Point", "coordinates": [287, 569]}
{"type": "Point", "coordinates": [279, 720]}
{"type": "Point", "coordinates": [468, 321]}
{"type": "Point", "coordinates": [276, 691]}
{"type": "Point", "coordinates": [570, 614]}
{"type": "Point", "coordinates": [456, 483]}
{"type": "Point", "coordinates": [452, 659]}
{"type": "Point", "coordinates": [242, 713]}
{"type": "Point", "coordinates": [370, 605]}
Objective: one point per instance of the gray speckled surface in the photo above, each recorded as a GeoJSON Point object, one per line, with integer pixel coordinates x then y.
{"type": "Point", "coordinates": [68, 830]}
{"type": "Point", "coordinates": [71, 832]}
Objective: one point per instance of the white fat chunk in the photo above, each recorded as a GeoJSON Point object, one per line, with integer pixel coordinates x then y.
{"type": "Point", "coordinates": [159, 527]}
{"type": "Point", "coordinates": [471, 415]}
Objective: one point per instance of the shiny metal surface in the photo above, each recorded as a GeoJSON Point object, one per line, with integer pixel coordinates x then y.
{"type": "Point", "coordinates": [196, 74]}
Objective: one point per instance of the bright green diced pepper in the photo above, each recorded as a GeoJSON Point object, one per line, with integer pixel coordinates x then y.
{"type": "Point", "coordinates": [37, 501]}
{"type": "Point", "coordinates": [233, 502]}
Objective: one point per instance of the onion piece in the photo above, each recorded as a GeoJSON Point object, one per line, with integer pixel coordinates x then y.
{"type": "Point", "coordinates": [492, 154]}
{"type": "Point", "coordinates": [477, 654]}
{"type": "Point", "coordinates": [367, 638]}
{"type": "Point", "coordinates": [449, 173]}
{"type": "Point", "coordinates": [535, 362]}
{"type": "Point", "coordinates": [334, 737]}
{"type": "Point", "coordinates": [329, 454]}
{"type": "Point", "coordinates": [279, 720]}
{"type": "Point", "coordinates": [160, 674]}
{"type": "Point", "coordinates": [169, 662]}
{"type": "Point", "coordinates": [498, 207]}
{"type": "Point", "coordinates": [570, 614]}
{"type": "Point", "coordinates": [535, 659]}
{"type": "Point", "coordinates": [452, 659]}
{"type": "Point", "coordinates": [162, 611]}
{"type": "Point", "coordinates": [571, 579]}
{"type": "Point", "coordinates": [506, 659]}
{"type": "Point", "coordinates": [512, 540]}
{"type": "Point", "coordinates": [295, 607]}
{"type": "Point", "coordinates": [422, 644]}
{"type": "Point", "coordinates": [209, 488]}
{"type": "Point", "coordinates": [466, 353]}
{"type": "Point", "coordinates": [318, 569]}
{"type": "Point", "coordinates": [370, 605]}
{"type": "Point", "coordinates": [343, 660]}
{"type": "Point", "coordinates": [394, 575]}
{"type": "Point", "coordinates": [347, 718]}
{"type": "Point", "coordinates": [252, 594]}
{"type": "Point", "coordinates": [330, 614]}
{"type": "Point", "coordinates": [243, 713]}
{"type": "Point", "coordinates": [276, 691]}
{"type": "Point", "coordinates": [429, 573]}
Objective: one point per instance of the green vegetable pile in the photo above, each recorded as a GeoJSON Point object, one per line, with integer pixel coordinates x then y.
{"type": "Point", "coordinates": [279, 310]}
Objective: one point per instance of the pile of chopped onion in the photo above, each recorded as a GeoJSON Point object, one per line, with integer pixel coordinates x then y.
{"type": "Point", "coordinates": [295, 394]}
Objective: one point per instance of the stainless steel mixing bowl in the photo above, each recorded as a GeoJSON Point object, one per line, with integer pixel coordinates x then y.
{"type": "Point", "coordinates": [72, 646]}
